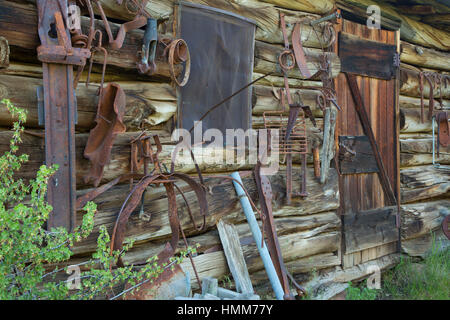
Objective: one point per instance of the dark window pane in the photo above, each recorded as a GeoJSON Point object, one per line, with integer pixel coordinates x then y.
{"type": "Point", "coordinates": [221, 48]}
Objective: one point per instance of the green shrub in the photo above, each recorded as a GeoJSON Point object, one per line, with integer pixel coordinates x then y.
{"type": "Point", "coordinates": [360, 293]}
{"type": "Point", "coordinates": [26, 247]}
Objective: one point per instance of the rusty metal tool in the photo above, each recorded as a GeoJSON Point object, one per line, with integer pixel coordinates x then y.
{"type": "Point", "coordinates": [147, 63]}
{"type": "Point", "coordinates": [109, 119]}
{"type": "Point", "coordinates": [296, 118]}
{"type": "Point", "coordinates": [58, 58]}
{"type": "Point", "coordinates": [336, 16]}
{"type": "Point", "coordinates": [265, 199]}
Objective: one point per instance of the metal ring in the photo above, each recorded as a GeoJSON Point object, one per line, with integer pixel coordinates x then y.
{"type": "Point", "coordinates": [284, 57]}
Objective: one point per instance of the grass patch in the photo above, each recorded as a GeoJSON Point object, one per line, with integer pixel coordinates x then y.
{"type": "Point", "coordinates": [427, 280]}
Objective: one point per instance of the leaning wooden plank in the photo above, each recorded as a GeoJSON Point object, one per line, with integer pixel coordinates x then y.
{"type": "Point", "coordinates": [423, 182]}
{"type": "Point", "coordinates": [419, 219]}
{"type": "Point", "coordinates": [235, 258]}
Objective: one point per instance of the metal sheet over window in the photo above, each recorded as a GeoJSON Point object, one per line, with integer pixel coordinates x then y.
{"type": "Point", "coordinates": [221, 46]}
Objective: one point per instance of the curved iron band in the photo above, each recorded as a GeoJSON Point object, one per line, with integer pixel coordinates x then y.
{"type": "Point", "coordinates": [178, 52]}
{"type": "Point", "coordinates": [134, 198]}
{"type": "Point", "coordinates": [284, 57]}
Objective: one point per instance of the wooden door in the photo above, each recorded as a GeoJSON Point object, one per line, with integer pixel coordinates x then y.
{"type": "Point", "coordinates": [369, 220]}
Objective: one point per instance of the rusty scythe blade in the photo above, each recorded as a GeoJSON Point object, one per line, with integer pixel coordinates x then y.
{"type": "Point", "coordinates": [299, 53]}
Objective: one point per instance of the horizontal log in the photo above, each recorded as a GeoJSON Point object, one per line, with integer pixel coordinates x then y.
{"type": "Point", "coordinates": [439, 20]}
{"type": "Point", "coordinates": [277, 81]}
{"type": "Point", "coordinates": [410, 30]}
{"type": "Point", "coordinates": [18, 24]}
{"type": "Point", "coordinates": [426, 244]}
{"type": "Point", "coordinates": [266, 17]}
{"type": "Point", "coordinates": [423, 182]}
{"type": "Point", "coordinates": [357, 272]}
{"type": "Point", "coordinates": [222, 202]}
{"type": "Point", "coordinates": [418, 151]}
{"type": "Point", "coordinates": [409, 160]}
{"type": "Point", "coordinates": [221, 161]}
{"type": "Point", "coordinates": [266, 60]}
{"type": "Point", "coordinates": [34, 70]}
{"type": "Point", "coordinates": [214, 264]}
{"type": "Point", "coordinates": [418, 219]}
{"type": "Point", "coordinates": [413, 102]}
{"type": "Point", "coordinates": [264, 99]}
{"type": "Point", "coordinates": [410, 121]}
{"type": "Point", "coordinates": [296, 226]}
{"type": "Point", "coordinates": [410, 85]}
{"type": "Point", "coordinates": [313, 6]}
{"type": "Point", "coordinates": [424, 57]}
{"type": "Point", "coordinates": [421, 145]}
{"type": "Point", "coordinates": [147, 103]}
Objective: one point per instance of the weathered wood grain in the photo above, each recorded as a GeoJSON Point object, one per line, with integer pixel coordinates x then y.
{"type": "Point", "coordinates": [426, 244]}
{"type": "Point", "coordinates": [410, 85]}
{"type": "Point", "coordinates": [424, 57]}
{"type": "Point", "coordinates": [423, 182]}
{"type": "Point", "coordinates": [369, 229]}
{"type": "Point", "coordinates": [419, 219]}
{"type": "Point", "coordinates": [147, 103]}
{"type": "Point", "coordinates": [235, 258]}
{"type": "Point", "coordinates": [266, 60]}
{"type": "Point", "coordinates": [265, 15]}
{"type": "Point", "coordinates": [411, 30]}
{"type": "Point", "coordinates": [18, 23]}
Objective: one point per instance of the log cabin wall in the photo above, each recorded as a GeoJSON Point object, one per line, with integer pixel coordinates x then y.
{"type": "Point", "coordinates": [309, 229]}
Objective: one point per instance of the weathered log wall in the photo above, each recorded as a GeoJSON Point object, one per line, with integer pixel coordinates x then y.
{"type": "Point", "coordinates": [309, 229]}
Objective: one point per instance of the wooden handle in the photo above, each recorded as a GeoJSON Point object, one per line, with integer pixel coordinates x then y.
{"type": "Point", "coordinates": [316, 162]}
